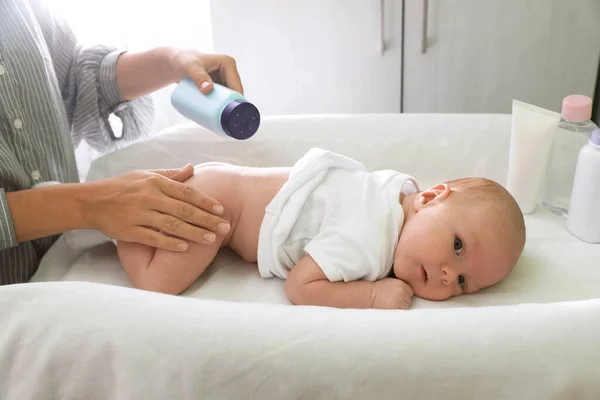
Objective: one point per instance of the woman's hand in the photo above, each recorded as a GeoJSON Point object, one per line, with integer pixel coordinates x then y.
{"type": "Point", "coordinates": [142, 73]}
{"type": "Point", "coordinates": [204, 68]}
{"type": "Point", "coordinates": [154, 208]}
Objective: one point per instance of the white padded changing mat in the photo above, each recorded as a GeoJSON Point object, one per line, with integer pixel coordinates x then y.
{"type": "Point", "coordinates": [232, 334]}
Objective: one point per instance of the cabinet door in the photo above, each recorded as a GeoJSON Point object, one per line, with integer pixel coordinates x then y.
{"type": "Point", "coordinates": [313, 56]}
{"type": "Point", "coordinates": [482, 54]}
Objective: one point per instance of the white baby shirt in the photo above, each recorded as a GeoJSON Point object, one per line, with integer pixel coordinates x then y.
{"type": "Point", "coordinates": [346, 218]}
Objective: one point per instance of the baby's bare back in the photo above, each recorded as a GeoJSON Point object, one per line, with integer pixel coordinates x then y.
{"type": "Point", "coordinates": [244, 193]}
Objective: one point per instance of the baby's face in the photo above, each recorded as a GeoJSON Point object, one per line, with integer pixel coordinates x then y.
{"type": "Point", "coordinates": [447, 247]}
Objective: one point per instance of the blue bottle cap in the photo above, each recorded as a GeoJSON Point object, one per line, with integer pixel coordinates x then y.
{"type": "Point", "coordinates": [240, 119]}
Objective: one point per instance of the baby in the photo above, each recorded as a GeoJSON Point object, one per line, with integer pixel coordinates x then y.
{"type": "Point", "coordinates": [344, 237]}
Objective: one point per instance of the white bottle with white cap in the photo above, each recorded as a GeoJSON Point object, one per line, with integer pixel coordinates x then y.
{"type": "Point", "coordinates": [583, 220]}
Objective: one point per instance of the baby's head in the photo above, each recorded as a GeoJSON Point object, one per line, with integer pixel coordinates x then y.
{"type": "Point", "coordinates": [458, 237]}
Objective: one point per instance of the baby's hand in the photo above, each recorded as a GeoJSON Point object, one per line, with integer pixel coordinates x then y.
{"type": "Point", "coordinates": [391, 293]}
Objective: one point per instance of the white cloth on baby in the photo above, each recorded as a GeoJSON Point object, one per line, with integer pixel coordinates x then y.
{"type": "Point", "coordinates": [346, 218]}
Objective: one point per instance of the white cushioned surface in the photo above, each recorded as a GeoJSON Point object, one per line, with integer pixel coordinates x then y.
{"type": "Point", "coordinates": [233, 334]}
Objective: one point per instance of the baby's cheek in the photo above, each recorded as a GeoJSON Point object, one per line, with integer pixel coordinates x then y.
{"type": "Point", "coordinates": [418, 243]}
{"type": "Point", "coordinates": [430, 293]}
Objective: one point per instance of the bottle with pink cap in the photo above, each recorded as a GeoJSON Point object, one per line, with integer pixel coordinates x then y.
{"type": "Point", "coordinates": [573, 132]}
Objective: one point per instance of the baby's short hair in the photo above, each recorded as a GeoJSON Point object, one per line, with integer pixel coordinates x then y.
{"type": "Point", "coordinates": [495, 196]}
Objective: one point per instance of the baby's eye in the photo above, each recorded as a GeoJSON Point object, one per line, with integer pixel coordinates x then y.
{"type": "Point", "coordinates": [461, 280]}
{"type": "Point", "coordinates": [458, 246]}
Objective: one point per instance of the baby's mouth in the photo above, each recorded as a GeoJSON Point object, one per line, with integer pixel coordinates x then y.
{"type": "Point", "coordinates": [423, 274]}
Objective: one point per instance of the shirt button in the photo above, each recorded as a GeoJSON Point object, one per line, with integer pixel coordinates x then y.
{"type": "Point", "coordinates": [2, 70]}
{"type": "Point", "coordinates": [17, 123]}
{"type": "Point", "coordinates": [35, 175]}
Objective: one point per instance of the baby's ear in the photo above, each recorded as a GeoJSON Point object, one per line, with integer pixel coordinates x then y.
{"type": "Point", "coordinates": [435, 194]}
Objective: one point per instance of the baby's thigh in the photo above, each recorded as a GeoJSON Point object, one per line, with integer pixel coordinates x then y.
{"type": "Point", "coordinates": [173, 272]}
{"type": "Point", "coordinates": [134, 256]}
{"type": "Point", "coordinates": [165, 271]}
{"type": "Point", "coordinates": [217, 180]}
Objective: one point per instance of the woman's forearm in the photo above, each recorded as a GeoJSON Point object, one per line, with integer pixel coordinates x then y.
{"type": "Point", "coordinates": [142, 73]}
{"type": "Point", "coordinates": [47, 211]}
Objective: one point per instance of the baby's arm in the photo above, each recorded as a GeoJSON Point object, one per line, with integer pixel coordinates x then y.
{"type": "Point", "coordinates": [306, 284]}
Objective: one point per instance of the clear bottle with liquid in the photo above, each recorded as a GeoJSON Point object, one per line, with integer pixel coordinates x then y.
{"type": "Point", "coordinates": [573, 132]}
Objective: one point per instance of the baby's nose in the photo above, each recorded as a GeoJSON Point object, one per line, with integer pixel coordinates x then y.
{"type": "Point", "coordinates": [448, 275]}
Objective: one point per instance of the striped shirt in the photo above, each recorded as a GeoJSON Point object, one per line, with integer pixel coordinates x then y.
{"type": "Point", "coordinates": [53, 94]}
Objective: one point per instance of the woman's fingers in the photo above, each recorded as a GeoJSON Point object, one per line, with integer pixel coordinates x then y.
{"type": "Point", "coordinates": [226, 68]}
{"type": "Point", "coordinates": [176, 174]}
{"type": "Point", "coordinates": [176, 227]}
{"type": "Point", "coordinates": [153, 238]}
{"type": "Point", "coordinates": [231, 75]}
{"type": "Point", "coordinates": [192, 196]}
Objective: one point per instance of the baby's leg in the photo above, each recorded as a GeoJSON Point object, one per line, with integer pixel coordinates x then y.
{"type": "Point", "coordinates": [166, 271]}
{"type": "Point", "coordinates": [172, 272]}
{"type": "Point", "coordinates": [135, 258]}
